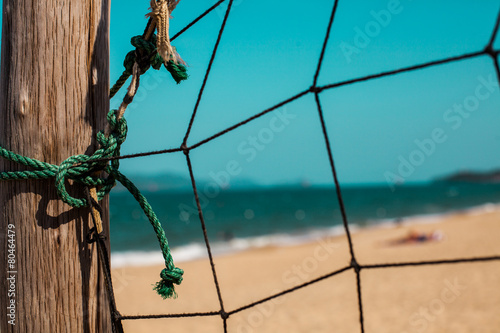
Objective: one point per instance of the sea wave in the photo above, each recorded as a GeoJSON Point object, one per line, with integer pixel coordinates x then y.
{"type": "Point", "coordinates": [196, 251]}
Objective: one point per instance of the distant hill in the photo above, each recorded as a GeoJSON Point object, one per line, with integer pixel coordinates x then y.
{"type": "Point", "coordinates": [472, 177]}
{"type": "Point", "coordinates": [176, 182]}
{"type": "Point", "coordinates": [160, 182]}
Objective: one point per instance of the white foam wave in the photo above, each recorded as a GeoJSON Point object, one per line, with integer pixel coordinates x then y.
{"type": "Point", "coordinates": [196, 251]}
{"type": "Point", "coordinates": [148, 258]}
{"type": "Point", "coordinates": [483, 209]}
{"type": "Point", "coordinates": [434, 218]}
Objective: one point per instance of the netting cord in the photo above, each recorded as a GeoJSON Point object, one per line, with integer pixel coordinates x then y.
{"type": "Point", "coordinates": [354, 262]}
{"type": "Point", "coordinates": [207, 73]}
{"type": "Point", "coordinates": [223, 314]}
{"type": "Point", "coordinates": [316, 90]}
{"type": "Point", "coordinates": [94, 236]}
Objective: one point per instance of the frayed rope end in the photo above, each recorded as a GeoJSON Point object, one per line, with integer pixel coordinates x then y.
{"type": "Point", "coordinates": [165, 287]}
{"type": "Point", "coordinates": [178, 71]}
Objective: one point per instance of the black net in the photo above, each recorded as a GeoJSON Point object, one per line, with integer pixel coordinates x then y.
{"type": "Point", "coordinates": [315, 90]}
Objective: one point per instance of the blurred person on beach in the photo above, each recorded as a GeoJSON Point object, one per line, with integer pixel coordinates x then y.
{"type": "Point", "coordinates": [416, 237]}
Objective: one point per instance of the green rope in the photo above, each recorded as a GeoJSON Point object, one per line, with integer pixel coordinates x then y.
{"type": "Point", "coordinates": [151, 59]}
{"type": "Point", "coordinates": [82, 169]}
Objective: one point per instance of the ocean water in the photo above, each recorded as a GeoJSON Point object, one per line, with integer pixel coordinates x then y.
{"type": "Point", "coordinates": [242, 219]}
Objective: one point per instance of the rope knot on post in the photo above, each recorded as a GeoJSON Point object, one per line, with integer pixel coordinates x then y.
{"type": "Point", "coordinates": [71, 168]}
{"type": "Point", "coordinates": [146, 55]}
{"type": "Point", "coordinates": [85, 169]}
{"type": "Point", "coordinates": [82, 169]}
{"type": "Point", "coordinates": [117, 134]}
{"type": "Point", "coordinates": [146, 60]}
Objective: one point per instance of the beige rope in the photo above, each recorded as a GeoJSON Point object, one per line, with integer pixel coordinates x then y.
{"type": "Point", "coordinates": [132, 90]}
{"type": "Point", "coordinates": [160, 12]}
{"type": "Point", "coordinates": [95, 212]}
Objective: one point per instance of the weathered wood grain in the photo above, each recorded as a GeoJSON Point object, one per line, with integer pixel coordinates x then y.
{"type": "Point", "coordinates": [53, 99]}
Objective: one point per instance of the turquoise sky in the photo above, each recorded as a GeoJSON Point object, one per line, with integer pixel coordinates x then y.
{"type": "Point", "coordinates": [408, 125]}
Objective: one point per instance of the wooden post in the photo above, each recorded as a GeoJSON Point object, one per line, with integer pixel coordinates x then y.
{"type": "Point", "coordinates": [53, 100]}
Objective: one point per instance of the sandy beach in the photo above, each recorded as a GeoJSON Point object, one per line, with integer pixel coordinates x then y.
{"type": "Point", "coordinates": [455, 298]}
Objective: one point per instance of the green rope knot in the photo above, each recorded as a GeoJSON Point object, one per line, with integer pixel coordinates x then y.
{"type": "Point", "coordinates": [84, 169]}
{"type": "Point", "coordinates": [71, 168]}
{"type": "Point", "coordinates": [165, 287]}
{"type": "Point", "coordinates": [150, 58]}
{"type": "Point", "coordinates": [172, 276]}
{"type": "Point", "coordinates": [118, 134]}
